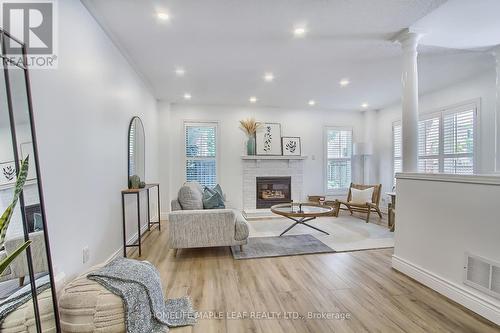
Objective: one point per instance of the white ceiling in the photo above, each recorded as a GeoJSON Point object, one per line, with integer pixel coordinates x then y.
{"type": "Point", "coordinates": [226, 46]}
{"type": "Point", "coordinates": [462, 24]}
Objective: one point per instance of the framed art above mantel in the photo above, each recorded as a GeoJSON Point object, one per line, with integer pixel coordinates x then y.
{"type": "Point", "coordinates": [268, 139]}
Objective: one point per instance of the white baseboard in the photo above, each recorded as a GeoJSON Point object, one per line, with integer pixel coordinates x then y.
{"type": "Point", "coordinates": [131, 240]}
{"type": "Point", "coordinates": [473, 301]}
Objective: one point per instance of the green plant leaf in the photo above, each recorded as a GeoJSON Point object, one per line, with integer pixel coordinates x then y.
{"type": "Point", "coordinates": [6, 262]}
{"type": "Point", "coordinates": [21, 179]}
{"type": "Point", "coordinates": [7, 215]}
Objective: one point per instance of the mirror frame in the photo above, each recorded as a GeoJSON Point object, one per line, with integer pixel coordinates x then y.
{"type": "Point", "coordinates": [128, 147]}
{"type": "Point", "coordinates": [7, 62]}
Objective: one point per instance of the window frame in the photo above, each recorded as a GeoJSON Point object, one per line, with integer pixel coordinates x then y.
{"type": "Point", "coordinates": [202, 123]}
{"type": "Point", "coordinates": [340, 191]}
{"type": "Point", "coordinates": [474, 105]}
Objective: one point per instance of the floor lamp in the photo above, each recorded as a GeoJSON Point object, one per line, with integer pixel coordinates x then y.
{"type": "Point", "coordinates": [364, 150]}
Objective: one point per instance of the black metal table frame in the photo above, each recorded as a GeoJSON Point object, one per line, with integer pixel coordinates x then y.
{"type": "Point", "coordinates": [138, 242]}
{"type": "Point", "coordinates": [302, 221]}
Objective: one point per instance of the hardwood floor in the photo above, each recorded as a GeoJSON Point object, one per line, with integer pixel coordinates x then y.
{"type": "Point", "coordinates": [359, 284]}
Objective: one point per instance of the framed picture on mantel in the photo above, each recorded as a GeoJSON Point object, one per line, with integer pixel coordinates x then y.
{"type": "Point", "coordinates": [268, 139]}
{"type": "Point", "coordinates": [291, 146]}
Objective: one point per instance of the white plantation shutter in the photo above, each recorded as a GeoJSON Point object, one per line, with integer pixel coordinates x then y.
{"type": "Point", "coordinates": [428, 145]}
{"type": "Point", "coordinates": [458, 129]}
{"type": "Point", "coordinates": [339, 153]}
{"type": "Point", "coordinates": [446, 141]}
{"type": "Point", "coordinates": [397, 150]}
{"type": "Point", "coordinates": [201, 153]}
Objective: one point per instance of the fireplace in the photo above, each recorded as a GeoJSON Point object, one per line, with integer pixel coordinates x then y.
{"type": "Point", "coordinates": [273, 190]}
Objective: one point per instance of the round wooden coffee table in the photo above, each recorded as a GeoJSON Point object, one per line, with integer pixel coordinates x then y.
{"type": "Point", "coordinates": [301, 213]}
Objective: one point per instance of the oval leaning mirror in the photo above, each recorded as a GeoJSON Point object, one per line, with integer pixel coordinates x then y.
{"type": "Point", "coordinates": [136, 153]}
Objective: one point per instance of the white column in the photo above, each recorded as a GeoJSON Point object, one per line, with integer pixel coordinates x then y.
{"type": "Point", "coordinates": [496, 53]}
{"type": "Point", "coordinates": [409, 41]}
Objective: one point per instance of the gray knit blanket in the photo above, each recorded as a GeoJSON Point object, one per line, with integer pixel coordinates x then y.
{"type": "Point", "coordinates": [21, 296]}
{"type": "Point", "coordinates": [138, 283]}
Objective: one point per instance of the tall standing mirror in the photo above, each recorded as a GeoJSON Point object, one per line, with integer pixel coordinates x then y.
{"type": "Point", "coordinates": [136, 152]}
{"type": "Point", "coordinates": [27, 293]}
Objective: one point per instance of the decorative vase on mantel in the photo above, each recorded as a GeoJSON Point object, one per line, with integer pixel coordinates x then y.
{"type": "Point", "coordinates": [251, 145]}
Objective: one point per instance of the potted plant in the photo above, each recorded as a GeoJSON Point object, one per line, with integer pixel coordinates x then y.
{"type": "Point", "coordinates": [7, 215]}
{"type": "Point", "coordinates": [250, 127]}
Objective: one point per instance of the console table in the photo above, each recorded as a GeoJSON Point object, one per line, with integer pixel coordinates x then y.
{"type": "Point", "coordinates": [137, 192]}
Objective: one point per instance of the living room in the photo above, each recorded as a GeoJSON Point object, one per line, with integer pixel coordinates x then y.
{"type": "Point", "coordinates": [299, 166]}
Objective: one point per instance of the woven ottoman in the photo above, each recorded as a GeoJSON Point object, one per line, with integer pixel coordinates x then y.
{"type": "Point", "coordinates": [23, 319]}
{"type": "Point", "coordinates": [86, 306]}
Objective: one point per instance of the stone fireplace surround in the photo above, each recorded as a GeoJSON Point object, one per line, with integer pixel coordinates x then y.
{"type": "Point", "coordinates": [270, 166]}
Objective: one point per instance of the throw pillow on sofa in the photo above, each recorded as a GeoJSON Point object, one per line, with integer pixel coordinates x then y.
{"type": "Point", "coordinates": [191, 196]}
{"type": "Point", "coordinates": [213, 198]}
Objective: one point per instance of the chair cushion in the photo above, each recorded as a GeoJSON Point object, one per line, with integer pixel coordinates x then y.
{"type": "Point", "coordinates": [191, 196]}
{"type": "Point", "coordinates": [361, 196]}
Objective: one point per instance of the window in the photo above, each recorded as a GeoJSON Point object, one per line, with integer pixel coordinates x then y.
{"type": "Point", "coordinates": [338, 152]}
{"type": "Point", "coordinates": [397, 149]}
{"type": "Point", "coordinates": [201, 153]}
{"type": "Point", "coordinates": [458, 154]}
{"type": "Point", "coordinates": [446, 141]}
{"type": "Point", "coordinates": [428, 144]}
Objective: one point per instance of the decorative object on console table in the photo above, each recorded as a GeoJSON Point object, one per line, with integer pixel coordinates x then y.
{"type": "Point", "coordinates": [250, 127]}
{"type": "Point", "coordinates": [291, 146]}
{"type": "Point", "coordinates": [268, 139]}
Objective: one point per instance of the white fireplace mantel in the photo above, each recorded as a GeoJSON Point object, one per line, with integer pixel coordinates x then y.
{"type": "Point", "coordinates": [272, 157]}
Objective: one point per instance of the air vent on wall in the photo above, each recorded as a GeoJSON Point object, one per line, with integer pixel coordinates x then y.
{"type": "Point", "coordinates": [482, 274]}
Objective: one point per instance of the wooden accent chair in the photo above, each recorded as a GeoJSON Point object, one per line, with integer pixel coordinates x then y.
{"type": "Point", "coordinates": [366, 208]}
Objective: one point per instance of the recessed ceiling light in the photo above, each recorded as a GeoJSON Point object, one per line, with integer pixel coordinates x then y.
{"type": "Point", "coordinates": [344, 82]}
{"type": "Point", "coordinates": [268, 77]}
{"type": "Point", "coordinates": [253, 99]}
{"type": "Point", "coordinates": [187, 96]}
{"type": "Point", "coordinates": [179, 71]}
{"type": "Point", "coordinates": [163, 16]}
{"type": "Point", "coordinates": [364, 105]}
{"type": "Point", "coordinates": [312, 102]}
{"type": "Point", "coordinates": [299, 31]}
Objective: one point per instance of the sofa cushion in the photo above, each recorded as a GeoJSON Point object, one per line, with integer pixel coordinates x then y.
{"type": "Point", "coordinates": [191, 196]}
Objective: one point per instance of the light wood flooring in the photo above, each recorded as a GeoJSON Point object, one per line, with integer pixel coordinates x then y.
{"type": "Point", "coordinates": [361, 284]}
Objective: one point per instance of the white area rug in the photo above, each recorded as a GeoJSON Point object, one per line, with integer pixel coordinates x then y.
{"type": "Point", "coordinates": [347, 233]}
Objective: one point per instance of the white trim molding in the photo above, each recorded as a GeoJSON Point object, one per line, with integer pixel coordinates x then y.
{"type": "Point", "coordinates": [471, 300]}
{"type": "Point", "coordinates": [452, 178]}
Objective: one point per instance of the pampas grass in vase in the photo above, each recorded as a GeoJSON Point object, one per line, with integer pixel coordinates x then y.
{"type": "Point", "coordinates": [250, 127]}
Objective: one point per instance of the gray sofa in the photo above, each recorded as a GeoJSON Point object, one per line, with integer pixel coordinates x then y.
{"type": "Point", "coordinates": [189, 228]}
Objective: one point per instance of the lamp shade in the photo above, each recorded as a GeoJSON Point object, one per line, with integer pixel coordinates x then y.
{"type": "Point", "coordinates": [362, 148]}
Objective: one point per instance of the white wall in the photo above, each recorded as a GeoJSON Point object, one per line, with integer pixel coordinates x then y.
{"type": "Point", "coordinates": [437, 222]}
{"type": "Point", "coordinates": [82, 112]}
{"type": "Point", "coordinates": [481, 86]}
{"type": "Point", "coordinates": [306, 123]}
{"type": "Point", "coordinates": [165, 128]}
